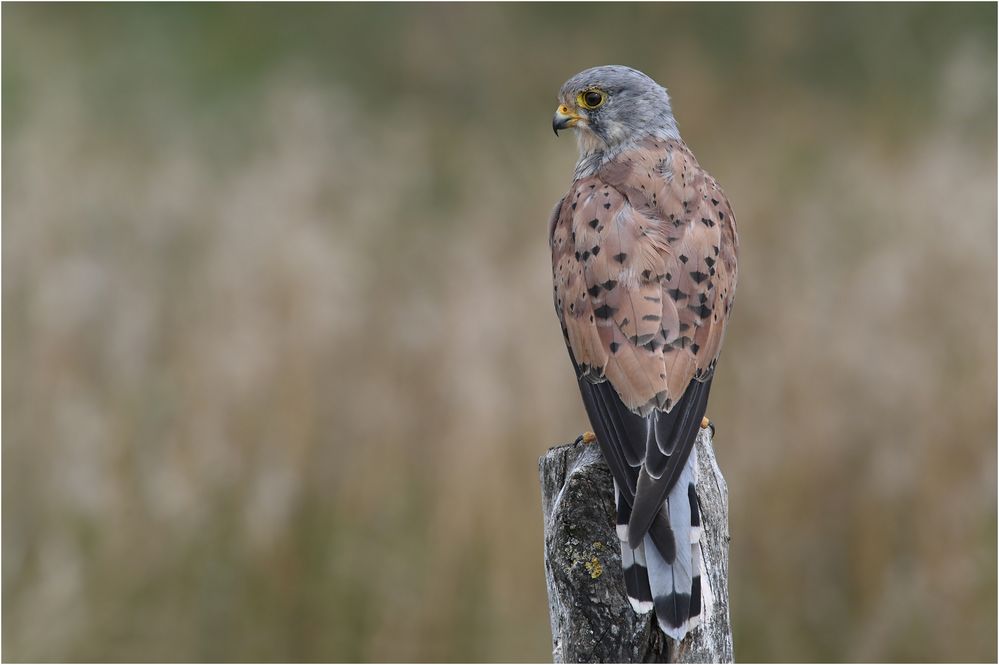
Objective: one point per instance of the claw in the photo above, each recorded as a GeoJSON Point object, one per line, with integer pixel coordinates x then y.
{"type": "Point", "coordinates": [705, 422]}
{"type": "Point", "coordinates": [586, 437]}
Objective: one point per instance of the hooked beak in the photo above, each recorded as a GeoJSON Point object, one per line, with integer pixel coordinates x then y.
{"type": "Point", "coordinates": [565, 118]}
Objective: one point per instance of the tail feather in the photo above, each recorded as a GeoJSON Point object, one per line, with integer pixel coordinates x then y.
{"type": "Point", "coordinates": [633, 561]}
{"type": "Point", "coordinates": [664, 572]}
{"type": "Point", "coordinates": [695, 550]}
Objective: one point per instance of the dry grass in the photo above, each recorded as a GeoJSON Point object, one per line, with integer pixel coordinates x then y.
{"type": "Point", "coordinates": [279, 353]}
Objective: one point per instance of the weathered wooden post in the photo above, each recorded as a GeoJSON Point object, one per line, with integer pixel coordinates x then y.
{"type": "Point", "coordinates": [591, 618]}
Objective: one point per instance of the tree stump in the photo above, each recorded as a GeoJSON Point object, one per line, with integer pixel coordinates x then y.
{"type": "Point", "coordinates": [591, 618]}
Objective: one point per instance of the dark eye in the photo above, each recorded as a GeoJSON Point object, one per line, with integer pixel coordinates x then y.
{"type": "Point", "coordinates": [591, 99]}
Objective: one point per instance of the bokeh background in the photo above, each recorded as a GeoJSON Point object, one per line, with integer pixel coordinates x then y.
{"type": "Point", "coordinates": [279, 353]}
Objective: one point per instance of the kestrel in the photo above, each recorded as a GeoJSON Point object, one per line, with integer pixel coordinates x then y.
{"type": "Point", "coordinates": [644, 250]}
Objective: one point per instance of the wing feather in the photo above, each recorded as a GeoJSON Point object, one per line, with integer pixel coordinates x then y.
{"type": "Point", "coordinates": [644, 267]}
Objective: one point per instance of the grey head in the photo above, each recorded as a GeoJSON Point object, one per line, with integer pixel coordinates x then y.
{"type": "Point", "coordinates": [613, 106]}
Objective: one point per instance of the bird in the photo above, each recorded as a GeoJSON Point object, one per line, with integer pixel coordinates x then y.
{"type": "Point", "coordinates": [644, 264]}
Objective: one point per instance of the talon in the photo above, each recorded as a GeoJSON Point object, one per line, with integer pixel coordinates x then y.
{"type": "Point", "coordinates": [705, 423]}
{"type": "Point", "coordinates": [586, 437]}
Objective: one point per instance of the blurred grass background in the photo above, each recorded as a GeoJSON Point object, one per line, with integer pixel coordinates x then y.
{"type": "Point", "coordinates": [279, 354]}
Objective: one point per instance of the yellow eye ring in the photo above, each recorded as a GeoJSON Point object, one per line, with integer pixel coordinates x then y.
{"type": "Point", "coordinates": [591, 99]}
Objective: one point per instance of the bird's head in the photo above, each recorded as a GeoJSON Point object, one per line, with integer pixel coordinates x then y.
{"type": "Point", "coordinates": [613, 105]}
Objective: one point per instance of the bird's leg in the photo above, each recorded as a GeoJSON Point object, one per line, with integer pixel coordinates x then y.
{"type": "Point", "coordinates": [585, 437]}
{"type": "Point", "coordinates": [705, 422]}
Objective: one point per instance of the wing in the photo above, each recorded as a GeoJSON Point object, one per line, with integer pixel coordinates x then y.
{"type": "Point", "coordinates": [644, 265]}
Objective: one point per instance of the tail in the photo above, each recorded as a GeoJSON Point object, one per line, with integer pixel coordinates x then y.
{"type": "Point", "coordinates": [664, 571]}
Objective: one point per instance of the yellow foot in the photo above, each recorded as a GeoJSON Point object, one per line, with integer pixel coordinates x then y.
{"type": "Point", "coordinates": [705, 423]}
{"type": "Point", "coordinates": [586, 437]}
